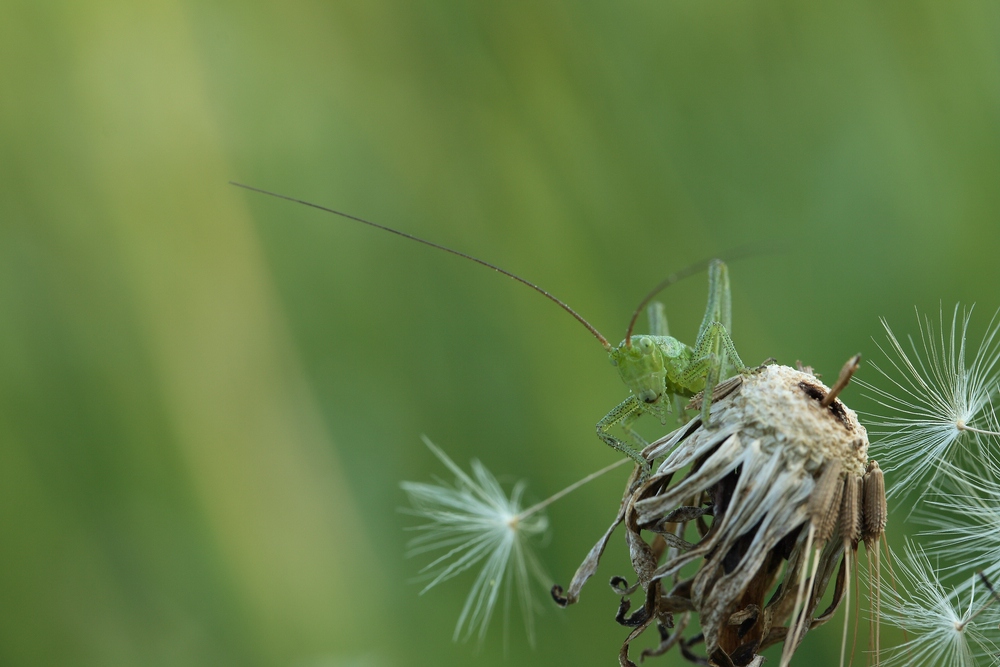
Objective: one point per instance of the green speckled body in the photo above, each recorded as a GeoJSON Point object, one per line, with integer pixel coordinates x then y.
{"type": "Point", "coordinates": [653, 367]}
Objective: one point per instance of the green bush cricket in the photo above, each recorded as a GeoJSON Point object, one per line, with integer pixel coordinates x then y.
{"type": "Point", "coordinates": [655, 367]}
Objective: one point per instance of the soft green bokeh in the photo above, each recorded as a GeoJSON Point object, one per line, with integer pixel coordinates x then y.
{"type": "Point", "coordinates": [209, 398]}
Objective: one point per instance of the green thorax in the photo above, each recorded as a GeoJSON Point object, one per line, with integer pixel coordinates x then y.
{"type": "Point", "coordinates": [653, 366]}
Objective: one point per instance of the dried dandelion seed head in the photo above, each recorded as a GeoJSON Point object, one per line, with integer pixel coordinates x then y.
{"type": "Point", "coordinates": [779, 480]}
{"type": "Point", "coordinates": [938, 401]}
{"type": "Point", "coordinates": [948, 627]}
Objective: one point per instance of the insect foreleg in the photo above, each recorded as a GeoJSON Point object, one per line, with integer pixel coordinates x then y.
{"type": "Point", "coordinates": [625, 413]}
{"type": "Point", "coordinates": [640, 441]}
{"type": "Point", "coordinates": [707, 368]}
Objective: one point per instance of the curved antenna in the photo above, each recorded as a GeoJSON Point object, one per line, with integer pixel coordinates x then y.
{"type": "Point", "coordinates": [697, 267]}
{"type": "Point", "coordinates": [579, 318]}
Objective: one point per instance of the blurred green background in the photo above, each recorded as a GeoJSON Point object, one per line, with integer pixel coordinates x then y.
{"type": "Point", "coordinates": [209, 397]}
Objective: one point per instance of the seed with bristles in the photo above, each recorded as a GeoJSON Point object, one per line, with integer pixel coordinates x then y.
{"type": "Point", "coordinates": [824, 503]}
{"type": "Point", "coordinates": [875, 510]}
{"type": "Point", "coordinates": [850, 511]}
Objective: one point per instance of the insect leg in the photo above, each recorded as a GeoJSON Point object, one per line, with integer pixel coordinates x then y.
{"type": "Point", "coordinates": [657, 320]}
{"type": "Point", "coordinates": [626, 412]}
{"type": "Point", "coordinates": [640, 441]}
{"type": "Point", "coordinates": [707, 367]}
{"type": "Point", "coordinates": [717, 340]}
{"type": "Point", "coordinates": [712, 355]}
{"type": "Point", "coordinates": [719, 306]}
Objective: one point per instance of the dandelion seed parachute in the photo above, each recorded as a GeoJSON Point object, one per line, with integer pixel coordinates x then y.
{"type": "Point", "coordinates": [965, 519]}
{"type": "Point", "coordinates": [781, 477]}
{"type": "Point", "coordinates": [937, 402]}
{"type": "Point", "coordinates": [473, 522]}
{"type": "Point", "coordinates": [947, 631]}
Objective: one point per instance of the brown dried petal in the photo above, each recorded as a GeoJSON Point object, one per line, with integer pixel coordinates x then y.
{"type": "Point", "coordinates": [667, 639]}
{"type": "Point", "coordinates": [740, 617]}
{"type": "Point", "coordinates": [638, 618]}
{"type": "Point", "coordinates": [589, 565]}
{"type": "Point", "coordinates": [688, 655]}
{"type": "Point", "coordinates": [677, 542]}
{"type": "Point", "coordinates": [717, 466]}
{"type": "Point", "coordinates": [721, 659]}
{"type": "Point", "coordinates": [838, 595]}
{"type": "Point", "coordinates": [685, 514]}
{"type": "Point", "coordinates": [720, 391]}
{"type": "Point", "coordinates": [671, 604]}
{"type": "Point", "coordinates": [620, 586]}
{"type": "Point", "coordinates": [623, 659]}
{"type": "Point", "coordinates": [642, 555]}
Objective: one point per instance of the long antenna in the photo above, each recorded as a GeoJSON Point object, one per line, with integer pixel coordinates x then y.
{"type": "Point", "coordinates": [597, 334]}
{"type": "Point", "coordinates": [736, 253]}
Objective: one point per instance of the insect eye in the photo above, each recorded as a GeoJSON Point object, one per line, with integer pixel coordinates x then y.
{"type": "Point", "coordinates": [646, 345]}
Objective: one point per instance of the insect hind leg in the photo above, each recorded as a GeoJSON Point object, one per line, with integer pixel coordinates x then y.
{"type": "Point", "coordinates": [657, 320]}
{"type": "Point", "coordinates": [719, 306]}
{"type": "Point", "coordinates": [713, 355]}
